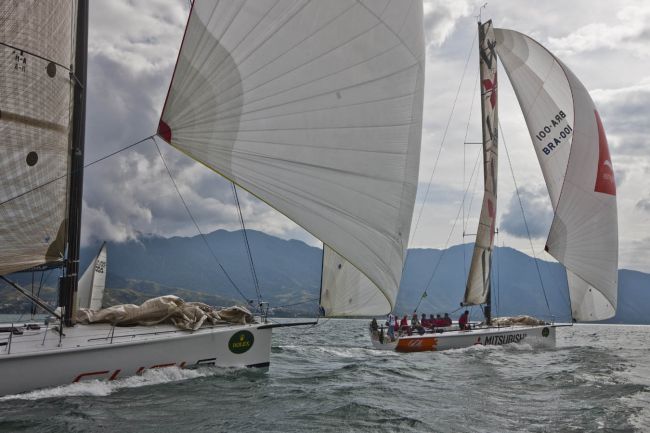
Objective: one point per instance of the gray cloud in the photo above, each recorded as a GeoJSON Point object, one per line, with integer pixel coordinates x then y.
{"type": "Point", "coordinates": [131, 194]}
{"type": "Point", "coordinates": [133, 47]}
{"type": "Point", "coordinates": [643, 204]}
{"type": "Point", "coordinates": [538, 211]}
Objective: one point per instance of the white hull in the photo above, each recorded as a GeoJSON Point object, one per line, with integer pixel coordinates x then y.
{"type": "Point", "coordinates": [537, 336]}
{"type": "Point", "coordinates": [35, 359]}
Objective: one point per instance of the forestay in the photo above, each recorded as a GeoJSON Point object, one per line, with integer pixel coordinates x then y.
{"type": "Point", "coordinates": [572, 149]}
{"type": "Point", "coordinates": [35, 118]}
{"type": "Point", "coordinates": [477, 290]}
{"type": "Point", "coordinates": [315, 107]}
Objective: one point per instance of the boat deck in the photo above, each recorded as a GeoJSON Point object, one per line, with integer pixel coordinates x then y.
{"type": "Point", "coordinates": [23, 339]}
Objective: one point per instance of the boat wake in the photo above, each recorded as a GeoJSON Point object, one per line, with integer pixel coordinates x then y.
{"type": "Point", "coordinates": [99, 388]}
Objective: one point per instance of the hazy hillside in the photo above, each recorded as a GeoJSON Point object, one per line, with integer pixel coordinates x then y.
{"type": "Point", "coordinates": [289, 274]}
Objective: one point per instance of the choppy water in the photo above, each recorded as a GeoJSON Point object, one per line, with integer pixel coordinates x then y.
{"type": "Point", "coordinates": [327, 378]}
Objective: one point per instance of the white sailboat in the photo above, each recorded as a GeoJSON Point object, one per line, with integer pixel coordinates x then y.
{"type": "Point", "coordinates": [314, 107]}
{"type": "Point", "coordinates": [572, 150]}
{"type": "Point", "coordinates": [90, 289]}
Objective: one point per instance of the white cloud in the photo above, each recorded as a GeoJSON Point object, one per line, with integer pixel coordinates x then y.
{"type": "Point", "coordinates": [629, 32]}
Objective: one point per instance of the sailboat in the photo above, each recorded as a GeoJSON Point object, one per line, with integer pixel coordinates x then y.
{"type": "Point", "coordinates": [313, 107]}
{"type": "Point", "coordinates": [90, 289]}
{"type": "Point", "coordinates": [571, 146]}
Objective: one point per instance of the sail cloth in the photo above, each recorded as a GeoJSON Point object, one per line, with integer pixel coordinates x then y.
{"type": "Point", "coordinates": [35, 120]}
{"type": "Point", "coordinates": [571, 146]}
{"type": "Point", "coordinates": [168, 309]}
{"type": "Point", "coordinates": [91, 285]}
{"type": "Point", "coordinates": [477, 290]}
{"type": "Point", "coordinates": [315, 107]}
{"type": "Point", "coordinates": [347, 292]}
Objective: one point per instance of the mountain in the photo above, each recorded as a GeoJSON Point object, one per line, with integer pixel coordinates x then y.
{"type": "Point", "coordinates": [289, 277]}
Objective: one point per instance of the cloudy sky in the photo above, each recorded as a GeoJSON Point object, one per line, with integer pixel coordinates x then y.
{"type": "Point", "coordinates": [133, 47]}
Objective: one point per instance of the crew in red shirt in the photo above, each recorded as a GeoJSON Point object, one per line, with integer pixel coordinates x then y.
{"type": "Point", "coordinates": [463, 320]}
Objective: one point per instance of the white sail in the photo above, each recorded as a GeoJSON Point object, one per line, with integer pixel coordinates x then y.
{"type": "Point", "coordinates": [347, 292]}
{"type": "Point", "coordinates": [35, 118]}
{"type": "Point", "coordinates": [477, 290]}
{"type": "Point", "coordinates": [572, 150]}
{"type": "Point", "coordinates": [315, 107]}
{"type": "Point", "coordinates": [90, 291]}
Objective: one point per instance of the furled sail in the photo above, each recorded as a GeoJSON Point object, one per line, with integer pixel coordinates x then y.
{"type": "Point", "coordinates": [477, 290]}
{"type": "Point", "coordinates": [315, 107]}
{"type": "Point", "coordinates": [93, 281]}
{"type": "Point", "coordinates": [36, 48]}
{"type": "Point", "coordinates": [571, 146]}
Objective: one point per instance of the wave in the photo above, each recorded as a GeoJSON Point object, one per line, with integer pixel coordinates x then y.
{"type": "Point", "coordinates": [100, 388]}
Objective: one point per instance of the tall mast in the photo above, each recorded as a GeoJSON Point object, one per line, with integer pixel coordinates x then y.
{"type": "Point", "coordinates": [68, 283]}
{"type": "Point", "coordinates": [478, 290]}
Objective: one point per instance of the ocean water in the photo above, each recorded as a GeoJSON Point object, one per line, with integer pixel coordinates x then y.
{"type": "Point", "coordinates": [327, 378]}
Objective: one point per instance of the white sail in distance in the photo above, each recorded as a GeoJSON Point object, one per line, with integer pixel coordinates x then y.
{"type": "Point", "coordinates": [572, 149]}
{"type": "Point", "coordinates": [37, 47]}
{"type": "Point", "coordinates": [477, 290]}
{"type": "Point", "coordinates": [315, 108]}
{"type": "Point", "coordinates": [91, 286]}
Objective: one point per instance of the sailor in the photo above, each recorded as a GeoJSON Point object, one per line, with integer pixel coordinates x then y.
{"type": "Point", "coordinates": [405, 322]}
{"type": "Point", "coordinates": [373, 325]}
{"type": "Point", "coordinates": [391, 326]}
{"type": "Point", "coordinates": [424, 321]}
{"type": "Point", "coordinates": [446, 320]}
{"type": "Point", "coordinates": [463, 320]}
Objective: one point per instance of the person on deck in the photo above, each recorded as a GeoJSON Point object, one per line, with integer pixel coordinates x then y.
{"type": "Point", "coordinates": [463, 321]}
{"type": "Point", "coordinates": [391, 326]}
{"type": "Point", "coordinates": [424, 321]}
{"type": "Point", "coordinates": [432, 321]}
{"type": "Point", "coordinates": [439, 323]}
{"type": "Point", "coordinates": [404, 323]}
{"type": "Point", "coordinates": [373, 324]}
{"type": "Point", "coordinates": [446, 320]}
{"type": "Point", "coordinates": [416, 325]}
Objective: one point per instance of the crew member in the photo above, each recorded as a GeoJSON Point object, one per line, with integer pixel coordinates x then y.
{"type": "Point", "coordinates": [463, 321]}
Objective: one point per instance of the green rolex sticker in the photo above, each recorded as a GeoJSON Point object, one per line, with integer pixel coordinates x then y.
{"type": "Point", "coordinates": [241, 341]}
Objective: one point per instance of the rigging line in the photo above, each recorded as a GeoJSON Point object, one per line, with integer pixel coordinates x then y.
{"type": "Point", "coordinates": [523, 215]}
{"type": "Point", "coordinates": [442, 142]}
{"type": "Point", "coordinates": [497, 293]}
{"type": "Point", "coordinates": [451, 232]}
{"type": "Point", "coordinates": [40, 286]}
{"type": "Point", "coordinates": [67, 68]}
{"type": "Point", "coordinates": [465, 143]}
{"type": "Point", "coordinates": [469, 118]}
{"type": "Point", "coordinates": [248, 247]}
{"type": "Point", "coordinates": [196, 224]}
{"type": "Point", "coordinates": [72, 171]}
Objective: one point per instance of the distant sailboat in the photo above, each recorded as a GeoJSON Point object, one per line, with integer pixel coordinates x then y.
{"type": "Point", "coordinates": [314, 107]}
{"type": "Point", "coordinates": [90, 290]}
{"type": "Point", "coordinates": [571, 147]}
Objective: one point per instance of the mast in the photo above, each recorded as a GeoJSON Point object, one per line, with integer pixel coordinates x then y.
{"type": "Point", "coordinates": [478, 289]}
{"type": "Point", "coordinates": [68, 283]}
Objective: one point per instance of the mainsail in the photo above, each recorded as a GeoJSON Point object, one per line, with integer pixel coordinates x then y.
{"type": "Point", "coordinates": [315, 107]}
{"type": "Point", "coordinates": [36, 47]}
{"type": "Point", "coordinates": [477, 290]}
{"type": "Point", "coordinates": [571, 146]}
{"type": "Point", "coordinates": [93, 281]}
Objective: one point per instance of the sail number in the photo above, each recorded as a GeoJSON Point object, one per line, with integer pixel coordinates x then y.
{"type": "Point", "coordinates": [553, 142]}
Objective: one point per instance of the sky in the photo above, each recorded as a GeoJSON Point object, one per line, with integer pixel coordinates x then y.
{"type": "Point", "coordinates": [133, 47]}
